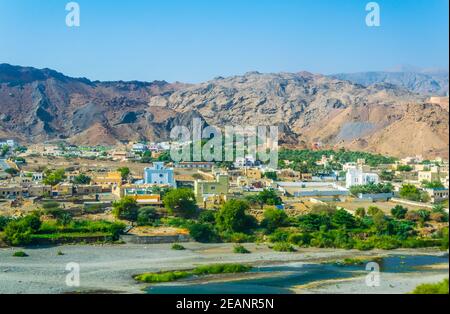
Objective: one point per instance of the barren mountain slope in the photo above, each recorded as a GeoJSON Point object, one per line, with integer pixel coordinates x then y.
{"type": "Point", "coordinates": [42, 105]}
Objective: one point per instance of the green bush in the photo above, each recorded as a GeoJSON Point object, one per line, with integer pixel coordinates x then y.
{"type": "Point", "coordinates": [178, 247]}
{"type": "Point", "coordinates": [437, 288]}
{"type": "Point", "coordinates": [18, 232]}
{"type": "Point", "coordinates": [126, 208]}
{"type": "Point", "coordinates": [399, 212]}
{"type": "Point", "coordinates": [20, 254]}
{"type": "Point", "coordinates": [198, 271]}
{"type": "Point", "coordinates": [204, 233]}
{"type": "Point", "coordinates": [279, 235]}
{"type": "Point", "coordinates": [147, 216]}
{"type": "Point", "coordinates": [162, 277]}
{"type": "Point", "coordinates": [274, 218]}
{"type": "Point", "coordinates": [207, 216]}
{"type": "Point", "coordinates": [283, 247]}
{"type": "Point", "coordinates": [240, 249]}
{"type": "Point", "coordinates": [300, 239]}
{"type": "Point", "coordinates": [220, 269]}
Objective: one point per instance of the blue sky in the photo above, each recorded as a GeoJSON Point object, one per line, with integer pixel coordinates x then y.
{"type": "Point", "coordinates": [197, 40]}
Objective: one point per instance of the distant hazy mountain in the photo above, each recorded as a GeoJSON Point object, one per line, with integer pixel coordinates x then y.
{"type": "Point", "coordinates": [44, 105]}
{"type": "Point", "coordinates": [430, 82]}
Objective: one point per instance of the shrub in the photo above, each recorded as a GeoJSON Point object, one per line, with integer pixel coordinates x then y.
{"type": "Point", "coordinates": [146, 216]}
{"type": "Point", "coordinates": [240, 249]}
{"type": "Point", "coordinates": [221, 269]}
{"type": "Point", "coordinates": [437, 288]}
{"type": "Point", "coordinates": [207, 216]}
{"type": "Point", "coordinates": [236, 237]}
{"type": "Point", "coordinates": [162, 277]}
{"type": "Point", "coordinates": [424, 214]}
{"type": "Point", "coordinates": [363, 245]}
{"type": "Point", "coordinates": [300, 239]}
{"type": "Point", "coordinates": [18, 232]}
{"type": "Point", "coordinates": [176, 222]}
{"type": "Point", "coordinates": [126, 208]}
{"type": "Point", "coordinates": [178, 247]}
{"type": "Point", "coordinates": [274, 218]}
{"type": "Point", "coordinates": [279, 235]}
{"type": "Point", "coordinates": [399, 212]}
{"type": "Point", "coordinates": [283, 247]}
{"type": "Point", "coordinates": [204, 233]}
{"type": "Point", "coordinates": [20, 254]}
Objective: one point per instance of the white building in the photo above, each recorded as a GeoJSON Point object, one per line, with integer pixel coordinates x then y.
{"type": "Point", "coordinates": [158, 174]}
{"type": "Point", "coordinates": [356, 176]}
{"type": "Point", "coordinates": [247, 161]}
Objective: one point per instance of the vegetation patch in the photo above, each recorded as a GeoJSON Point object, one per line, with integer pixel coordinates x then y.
{"type": "Point", "coordinates": [178, 247]}
{"type": "Point", "coordinates": [20, 254]}
{"type": "Point", "coordinates": [240, 249]}
{"type": "Point", "coordinates": [436, 288]}
{"type": "Point", "coordinates": [283, 247]}
{"type": "Point", "coordinates": [198, 271]}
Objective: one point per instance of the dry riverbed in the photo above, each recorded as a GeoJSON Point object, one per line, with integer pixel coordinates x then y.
{"type": "Point", "coordinates": [109, 268]}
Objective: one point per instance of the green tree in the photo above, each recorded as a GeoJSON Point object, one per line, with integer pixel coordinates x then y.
{"type": "Point", "coordinates": [126, 208]}
{"type": "Point", "coordinates": [274, 218]}
{"type": "Point", "coordinates": [54, 177]}
{"type": "Point", "coordinates": [342, 218]}
{"type": "Point", "coordinates": [147, 216]}
{"type": "Point", "coordinates": [82, 179]}
{"type": "Point", "coordinates": [181, 202]}
{"type": "Point", "coordinates": [124, 172]}
{"type": "Point", "coordinates": [232, 217]}
{"type": "Point", "coordinates": [19, 231]}
{"type": "Point", "coordinates": [269, 197]}
{"type": "Point", "coordinates": [399, 212]}
{"type": "Point", "coordinates": [204, 233]}
{"type": "Point", "coordinates": [412, 193]}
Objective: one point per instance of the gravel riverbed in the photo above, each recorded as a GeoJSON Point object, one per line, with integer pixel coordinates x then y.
{"type": "Point", "coordinates": [109, 268]}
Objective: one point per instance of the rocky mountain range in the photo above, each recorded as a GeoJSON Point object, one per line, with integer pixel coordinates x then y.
{"type": "Point", "coordinates": [425, 82]}
{"type": "Point", "coordinates": [44, 105]}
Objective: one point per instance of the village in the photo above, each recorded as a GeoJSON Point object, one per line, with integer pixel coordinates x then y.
{"type": "Point", "coordinates": [86, 182]}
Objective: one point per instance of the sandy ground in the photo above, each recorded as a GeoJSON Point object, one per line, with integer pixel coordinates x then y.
{"type": "Point", "coordinates": [110, 267]}
{"type": "Point", "coordinates": [390, 283]}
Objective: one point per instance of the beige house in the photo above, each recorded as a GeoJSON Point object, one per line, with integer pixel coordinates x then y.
{"type": "Point", "coordinates": [429, 176]}
{"type": "Point", "coordinates": [206, 189]}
